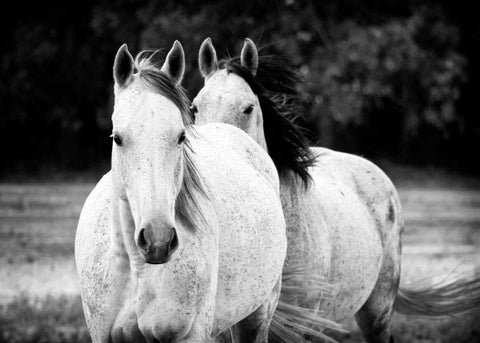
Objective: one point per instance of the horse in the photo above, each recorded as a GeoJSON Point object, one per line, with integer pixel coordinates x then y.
{"type": "Point", "coordinates": [184, 239]}
{"type": "Point", "coordinates": [343, 213]}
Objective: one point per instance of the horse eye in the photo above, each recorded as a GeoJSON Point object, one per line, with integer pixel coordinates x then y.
{"type": "Point", "coordinates": [248, 110]}
{"type": "Point", "coordinates": [193, 112]}
{"type": "Point", "coordinates": [181, 138]}
{"type": "Point", "coordinates": [116, 139]}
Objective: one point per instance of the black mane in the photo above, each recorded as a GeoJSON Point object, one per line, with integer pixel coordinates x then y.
{"type": "Point", "coordinates": [275, 85]}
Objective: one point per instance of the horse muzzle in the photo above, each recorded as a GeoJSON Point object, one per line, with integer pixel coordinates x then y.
{"type": "Point", "coordinates": [157, 248]}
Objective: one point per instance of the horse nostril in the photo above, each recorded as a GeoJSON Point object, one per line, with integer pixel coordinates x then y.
{"type": "Point", "coordinates": [142, 240]}
{"type": "Point", "coordinates": [173, 243]}
{"type": "Point", "coordinates": [157, 250]}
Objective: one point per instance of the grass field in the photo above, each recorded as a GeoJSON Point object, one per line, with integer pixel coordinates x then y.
{"type": "Point", "coordinates": [39, 299]}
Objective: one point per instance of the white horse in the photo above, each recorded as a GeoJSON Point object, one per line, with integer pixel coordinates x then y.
{"type": "Point", "coordinates": [342, 212]}
{"type": "Point", "coordinates": [185, 237]}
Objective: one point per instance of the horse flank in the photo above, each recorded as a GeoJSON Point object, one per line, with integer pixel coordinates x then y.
{"type": "Point", "coordinates": [275, 85]}
{"type": "Point", "coordinates": [192, 191]}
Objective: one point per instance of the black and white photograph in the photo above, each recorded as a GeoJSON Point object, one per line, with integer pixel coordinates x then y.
{"type": "Point", "coordinates": [278, 171]}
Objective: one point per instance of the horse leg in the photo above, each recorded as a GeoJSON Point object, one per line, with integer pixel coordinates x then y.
{"type": "Point", "coordinates": [374, 316]}
{"type": "Point", "coordinates": [254, 328]}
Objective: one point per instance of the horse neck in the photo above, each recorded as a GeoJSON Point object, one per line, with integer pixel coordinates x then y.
{"type": "Point", "coordinates": [259, 134]}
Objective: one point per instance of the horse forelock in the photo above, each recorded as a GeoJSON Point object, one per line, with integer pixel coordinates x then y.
{"type": "Point", "coordinates": [275, 85]}
{"type": "Point", "coordinates": [192, 190]}
{"type": "Point", "coordinates": [149, 71]}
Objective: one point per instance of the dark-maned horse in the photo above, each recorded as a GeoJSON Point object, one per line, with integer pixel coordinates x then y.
{"type": "Point", "coordinates": [343, 213]}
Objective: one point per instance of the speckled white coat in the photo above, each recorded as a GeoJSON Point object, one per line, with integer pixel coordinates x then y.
{"type": "Point", "coordinates": [225, 267]}
{"type": "Point", "coordinates": [346, 226]}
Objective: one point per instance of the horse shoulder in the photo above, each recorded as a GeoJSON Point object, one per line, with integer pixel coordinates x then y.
{"type": "Point", "coordinates": [245, 197]}
{"type": "Point", "coordinates": [93, 225]}
{"type": "Point", "coordinates": [101, 270]}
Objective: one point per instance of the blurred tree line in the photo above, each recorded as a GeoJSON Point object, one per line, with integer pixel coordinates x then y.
{"type": "Point", "coordinates": [392, 78]}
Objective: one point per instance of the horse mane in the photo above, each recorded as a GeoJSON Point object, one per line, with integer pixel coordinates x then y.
{"type": "Point", "coordinates": [275, 85]}
{"type": "Point", "coordinates": [187, 203]}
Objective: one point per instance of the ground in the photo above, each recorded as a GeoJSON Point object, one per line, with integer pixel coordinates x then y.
{"type": "Point", "coordinates": [39, 299]}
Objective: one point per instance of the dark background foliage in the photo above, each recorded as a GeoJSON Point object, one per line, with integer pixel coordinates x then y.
{"type": "Point", "coordinates": [386, 79]}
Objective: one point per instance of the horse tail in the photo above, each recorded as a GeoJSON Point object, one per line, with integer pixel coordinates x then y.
{"type": "Point", "coordinates": [293, 323]}
{"type": "Point", "coordinates": [442, 299]}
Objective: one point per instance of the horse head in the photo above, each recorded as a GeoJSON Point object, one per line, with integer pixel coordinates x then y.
{"type": "Point", "coordinates": [149, 137]}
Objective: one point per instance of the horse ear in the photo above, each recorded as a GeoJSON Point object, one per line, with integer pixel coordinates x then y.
{"type": "Point", "coordinates": [174, 65]}
{"type": "Point", "coordinates": [207, 58]}
{"type": "Point", "coordinates": [123, 66]}
{"type": "Point", "coordinates": [249, 56]}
